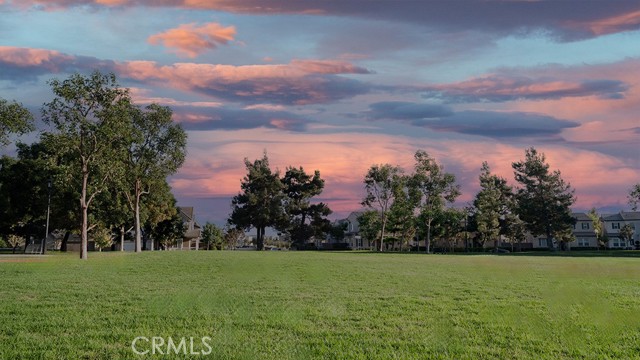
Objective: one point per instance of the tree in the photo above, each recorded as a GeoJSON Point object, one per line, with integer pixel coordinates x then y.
{"type": "Point", "coordinates": [212, 236]}
{"type": "Point", "coordinates": [14, 119]}
{"type": "Point", "coordinates": [102, 237]}
{"type": "Point", "coordinates": [370, 225]}
{"type": "Point", "coordinates": [598, 229]}
{"type": "Point", "coordinates": [167, 232]}
{"type": "Point", "coordinates": [544, 199]}
{"type": "Point", "coordinates": [233, 237]}
{"type": "Point", "coordinates": [626, 233]}
{"type": "Point", "coordinates": [259, 204]}
{"type": "Point", "coordinates": [449, 226]}
{"type": "Point", "coordinates": [634, 196]}
{"type": "Point", "coordinates": [89, 115]}
{"type": "Point", "coordinates": [436, 187]}
{"type": "Point", "coordinates": [302, 219]}
{"type": "Point", "coordinates": [402, 219]}
{"type": "Point", "coordinates": [155, 151]}
{"type": "Point", "coordinates": [379, 182]}
{"type": "Point", "coordinates": [494, 205]}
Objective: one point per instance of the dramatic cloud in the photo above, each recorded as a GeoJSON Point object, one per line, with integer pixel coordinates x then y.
{"type": "Point", "coordinates": [223, 118]}
{"type": "Point", "coordinates": [484, 123]}
{"type": "Point", "coordinates": [498, 124]}
{"type": "Point", "coordinates": [24, 64]}
{"type": "Point", "coordinates": [499, 88]}
{"type": "Point", "coordinates": [191, 40]}
{"type": "Point", "coordinates": [565, 20]}
{"type": "Point", "coordinates": [398, 110]}
{"type": "Point", "coordinates": [300, 82]}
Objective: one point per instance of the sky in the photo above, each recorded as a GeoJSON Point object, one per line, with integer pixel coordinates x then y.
{"type": "Point", "coordinates": [341, 85]}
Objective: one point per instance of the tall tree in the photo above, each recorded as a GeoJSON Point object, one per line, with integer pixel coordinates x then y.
{"type": "Point", "coordinates": [402, 219]}
{"type": "Point", "coordinates": [380, 182]}
{"type": "Point", "coordinates": [259, 204]}
{"type": "Point", "coordinates": [156, 150]}
{"type": "Point", "coordinates": [14, 119]}
{"type": "Point", "coordinates": [303, 219]}
{"type": "Point", "coordinates": [494, 204]}
{"type": "Point", "coordinates": [370, 225]}
{"type": "Point", "coordinates": [598, 228]}
{"type": "Point", "coordinates": [89, 114]}
{"type": "Point", "coordinates": [437, 188]}
{"type": "Point", "coordinates": [634, 196]}
{"type": "Point", "coordinates": [544, 199]}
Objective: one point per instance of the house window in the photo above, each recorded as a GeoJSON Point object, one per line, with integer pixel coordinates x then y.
{"type": "Point", "coordinates": [583, 242]}
{"type": "Point", "coordinates": [585, 226]}
{"type": "Point", "coordinates": [615, 226]}
{"type": "Point", "coordinates": [619, 243]}
{"type": "Point", "coordinates": [542, 242]}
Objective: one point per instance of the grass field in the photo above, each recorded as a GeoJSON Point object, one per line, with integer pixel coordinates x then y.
{"type": "Point", "coordinates": [302, 305]}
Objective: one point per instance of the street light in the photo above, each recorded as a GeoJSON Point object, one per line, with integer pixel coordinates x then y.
{"type": "Point", "coordinates": [46, 232]}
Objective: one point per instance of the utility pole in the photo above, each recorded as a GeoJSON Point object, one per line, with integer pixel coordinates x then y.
{"type": "Point", "coordinates": [46, 231]}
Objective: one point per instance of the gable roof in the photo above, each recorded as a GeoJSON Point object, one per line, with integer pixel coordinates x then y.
{"type": "Point", "coordinates": [186, 213]}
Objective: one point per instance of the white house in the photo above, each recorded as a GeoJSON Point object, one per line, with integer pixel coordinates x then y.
{"type": "Point", "coordinates": [613, 224]}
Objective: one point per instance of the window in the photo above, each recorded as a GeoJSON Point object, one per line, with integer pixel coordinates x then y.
{"type": "Point", "coordinates": [583, 242]}
{"type": "Point", "coordinates": [585, 226]}
{"type": "Point", "coordinates": [542, 242]}
{"type": "Point", "coordinates": [615, 226]}
{"type": "Point", "coordinates": [619, 242]}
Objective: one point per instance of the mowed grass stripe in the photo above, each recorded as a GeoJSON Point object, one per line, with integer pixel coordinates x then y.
{"type": "Point", "coordinates": [299, 305]}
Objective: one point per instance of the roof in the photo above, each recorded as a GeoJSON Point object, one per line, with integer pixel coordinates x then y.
{"type": "Point", "coordinates": [186, 213]}
{"type": "Point", "coordinates": [623, 216]}
{"type": "Point", "coordinates": [581, 216]}
{"type": "Point", "coordinates": [192, 234]}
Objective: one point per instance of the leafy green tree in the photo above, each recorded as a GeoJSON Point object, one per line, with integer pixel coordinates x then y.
{"type": "Point", "coordinates": [89, 115]}
{"type": "Point", "coordinates": [212, 236]}
{"type": "Point", "coordinates": [402, 219]}
{"type": "Point", "coordinates": [169, 231]}
{"type": "Point", "coordinates": [14, 119]}
{"type": "Point", "coordinates": [259, 204]}
{"type": "Point", "coordinates": [437, 188]}
{"type": "Point", "coordinates": [302, 218]}
{"type": "Point", "coordinates": [449, 226]}
{"type": "Point", "coordinates": [494, 204]}
{"type": "Point", "coordinates": [626, 233]}
{"type": "Point", "coordinates": [544, 199]}
{"type": "Point", "coordinates": [157, 206]}
{"type": "Point", "coordinates": [155, 151]}
{"type": "Point", "coordinates": [513, 229]}
{"type": "Point", "coordinates": [634, 196]}
{"type": "Point", "coordinates": [370, 223]}
{"type": "Point", "coordinates": [598, 229]}
{"type": "Point", "coordinates": [380, 182]}
{"type": "Point", "coordinates": [102, 237]}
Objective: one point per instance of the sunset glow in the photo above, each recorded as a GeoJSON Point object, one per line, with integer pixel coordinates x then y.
{"type": "Point", "coordinates": [340, 85]}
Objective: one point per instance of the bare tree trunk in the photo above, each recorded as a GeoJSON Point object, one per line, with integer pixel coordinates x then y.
{"type": "Point", "coordinates": [122, 238]}
{"type": "Point", "coordinates": [85, 221]}
{"type": "Point", "coordinates": [427, 243]}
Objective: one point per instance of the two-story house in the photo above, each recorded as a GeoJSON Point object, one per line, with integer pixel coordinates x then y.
{"type": "Point", "coordinates": [614, 223]}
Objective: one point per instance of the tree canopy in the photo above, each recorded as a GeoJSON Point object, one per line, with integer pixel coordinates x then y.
{"type": "Point", "coordinates": [544, 199]}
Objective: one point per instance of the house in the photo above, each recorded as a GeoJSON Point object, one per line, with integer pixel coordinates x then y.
{"type": "Point", "coordinates": [584, 232]}
{"type": "Point", "coordinates": [352, 234]}
{"type": "Point", "coordinates": [613, 224]}
{"type": "Point", "coordinates": [192, 230]}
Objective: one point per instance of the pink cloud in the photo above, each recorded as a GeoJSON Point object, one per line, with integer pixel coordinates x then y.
{"type": "Point", "coordinates": [27, 57]}
{"type": "Point", "coordinates": [609, 25]}
{"type": "Point", "coordinates": [299, 82]}
{"type": "Point", "coordinates": [191, 40]}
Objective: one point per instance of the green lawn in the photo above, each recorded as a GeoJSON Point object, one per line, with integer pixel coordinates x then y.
{"type": "Point", "coordinates": [301, 305]}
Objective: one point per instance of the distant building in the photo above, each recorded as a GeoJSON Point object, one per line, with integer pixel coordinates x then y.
{"type": "Point", "coordinates": [192, 230]}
